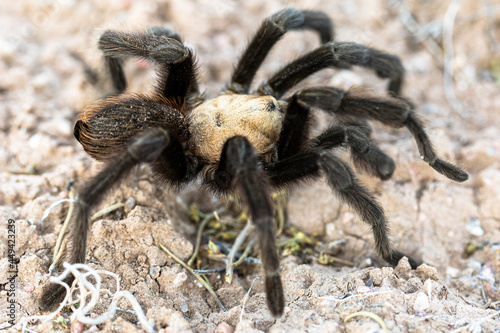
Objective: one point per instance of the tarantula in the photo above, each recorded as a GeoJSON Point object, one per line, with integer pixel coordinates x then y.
{"type": "Point", "coordinates": [245, 142]}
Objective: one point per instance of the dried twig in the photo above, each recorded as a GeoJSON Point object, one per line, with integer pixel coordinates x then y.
{"type": "Point", "coordinates": [245, 253]}
{"type": "Point", "coordinates": [234, 249]}
{"type": "Point", "coordinates": [201, 227]}
{"type": "Point", "coordinates": [280, 198]}
{"type": "Point", "coordinates": [449, 89]}
{"type": "Point", "coordinates": [106, 211]}
{"type": "Point", "coordinates": [209, 271]}
{"type": "Point", "coordinates": [198, 277]}
{"type": "Point", "coordinates": [57, 249]}
{"type": "Point", "coordinates": [368, 314]}
{"type": "Point", "coordinates": [407, 18]}
{"type": "Point", "coordinates": [247, 295]}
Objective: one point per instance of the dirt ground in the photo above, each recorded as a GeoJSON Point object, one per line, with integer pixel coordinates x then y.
{"type": "Point", "coordinates": [48, 62]}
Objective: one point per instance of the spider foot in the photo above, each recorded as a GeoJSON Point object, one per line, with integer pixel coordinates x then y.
{"type": "Point", "coordinates": [54, 294]}
{"type": "Point", "coordinates": [274, 292]}
{"type": "Point", "coordinates": [396, 256]}
{"type": "Point", "coordinates": [449, 170]}
{"type": "Point", "coordinates": [367, 156]}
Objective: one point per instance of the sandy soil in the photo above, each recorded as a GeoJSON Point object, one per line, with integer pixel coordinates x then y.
{"type": "Point", "coordinates": [47, 55]}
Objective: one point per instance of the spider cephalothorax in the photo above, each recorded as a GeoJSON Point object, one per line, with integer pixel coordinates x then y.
{"type": "Point", "coordinates": [258, 118]}
{"type": "Point", "coordinates": [245, 142]}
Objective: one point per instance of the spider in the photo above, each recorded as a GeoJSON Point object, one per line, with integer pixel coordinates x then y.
{"type": "Point", "coordinates": [245, 142]}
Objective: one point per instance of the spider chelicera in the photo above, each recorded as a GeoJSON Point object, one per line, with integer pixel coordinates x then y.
{"type": "Point", "coordinates": [243, 142]}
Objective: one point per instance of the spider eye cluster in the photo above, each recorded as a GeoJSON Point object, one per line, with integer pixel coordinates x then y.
{"type": "Point", "coordinates": [271, 107]}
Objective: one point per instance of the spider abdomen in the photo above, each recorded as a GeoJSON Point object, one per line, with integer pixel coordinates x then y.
{"type": "Point", "coordinates": [104, 128]}
{"type": "Point", "coordinates": [258, 118]}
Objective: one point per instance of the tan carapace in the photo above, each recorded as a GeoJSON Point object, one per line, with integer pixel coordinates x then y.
{"type": "Point", "coordinates": [258, 118]}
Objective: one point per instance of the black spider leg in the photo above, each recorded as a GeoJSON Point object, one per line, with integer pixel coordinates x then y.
{"type": "Point", "coordinates": [306, 165]}
{"type": "Point", "coordinates": [177, 70]}
{"type": "Point", "coordinates": [239, 168]}
{"type": "Point", "coordinates": [336, 55]}
{"type": "Point", "coordinates": [295, 133]}
{"type": "Point", "coordinates": [394, 112]}
{"type": "Point", "coordinates": [313, 157]}
{"type": "Point", "coordinates": [115, 65]}
{"type": "Point", "coordinates": [270, 31]}
{"type": "Point", "coordinates": [145, 147]}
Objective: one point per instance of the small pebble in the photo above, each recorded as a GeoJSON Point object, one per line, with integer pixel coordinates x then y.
{"type": "Point", "coordinates": [363, 290]}
{"type": "Point", "coordinates": [421, 302]}
{"type": "Point", "coordinates": [452, 272]}
{"type": "Point", "coordinates": [41, 80]}
{"type": "Point", "coordinates": [348, 217]}
{"type": "Point", "coordinates": [154, 272]}
{"type": "Point", "coordinates": [474, 227]}
{"type": "Point", "coordinates": [425, 272]}
{"type": "Point", "coordinates": [141, 259]}
{"type": "Point", "coordinates": [487, 273]}
{"type": "Point", "coordinates": [179, 280]}
{"type": "Point", "coordinates": [130, 203]}
{"type": "Point", "coordinates": [64, 127]}
{"type": "Point", "coordinates": [224, 328]}
{"type": "Point", "coordinates": [76, 327]}
{"type": "Point", "coordinates": [403, 269]}
{"type": "Point", "coordinates": [7, 50]}
{"type": "Point", "coordinates": [29, 289]}
{"type": "Point", "coordinates": [368, 262]}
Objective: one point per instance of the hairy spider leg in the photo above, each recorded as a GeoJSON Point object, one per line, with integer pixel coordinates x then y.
{"type": "Point", "coordinates": [294, 135]}
{"type": "Point", "coordinates": [162, 46]}
{"type": "Point", "coordinates": [393, 112]}
{"type": "Point", "coordinates": [114, 64]}
{"type": "Point", "coordinates": [365, 155]}
{"type": "Point", "coordinates": [336, 55]}
{"type": "Point", "coordinates": [239, 168]}
{"type": "Point", "coordinates": [307, 165]}
{"type": "Point", "coordinates": [270, 31]}
{"type": "Point", "coordinates": [145, 147]}
{"type": "Point", "coordinates": [293, 166]}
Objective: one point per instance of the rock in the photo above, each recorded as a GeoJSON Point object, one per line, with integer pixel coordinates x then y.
{"type": "Point", "coordinates": [421, 302]}
{"type": "Point", "coordinates": [425, 272]}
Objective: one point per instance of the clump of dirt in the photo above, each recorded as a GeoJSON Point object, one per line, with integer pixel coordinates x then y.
{"type": "Point", "coordinates": [51, 69]}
